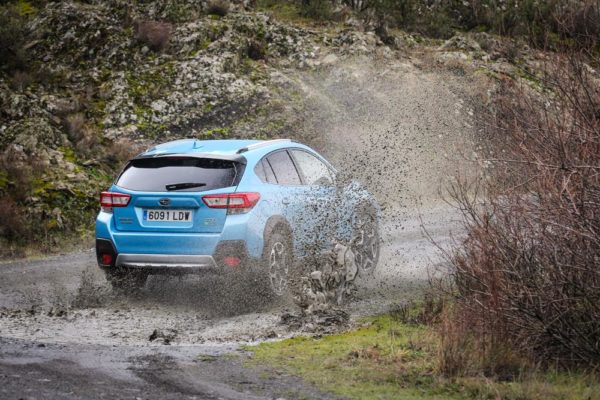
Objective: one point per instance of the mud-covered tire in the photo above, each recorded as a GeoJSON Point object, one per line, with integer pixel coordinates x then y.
{"type": "Point", "coordinates": [366, 244]}
{"type": "Point", "coordinates": [278, 261]}
{"type": "Point", "coordinates": [127, 281]}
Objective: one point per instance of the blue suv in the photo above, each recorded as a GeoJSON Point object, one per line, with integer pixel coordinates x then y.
{"type": "Point", "coordinates": [196, 206]}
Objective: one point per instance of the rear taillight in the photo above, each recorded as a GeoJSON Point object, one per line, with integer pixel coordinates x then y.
{"type": "Point", "coordinates": [235, 203]}
{"type": "Point", "coordinates": [232, 261]}
{"type": "Point", "coordinates": [108, 200]}
{"type": "Point", "coordinates": [106, 259]}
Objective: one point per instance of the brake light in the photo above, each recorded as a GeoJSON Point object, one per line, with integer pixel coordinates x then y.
{"type": "Point", "coordinates": [108, 200]}
{"type": "Point", "coordinates": [106, 259]}
{"type": "Point", "coordinates": [235, 203]}
{"type": "Point", "coordinates": [232, 261]}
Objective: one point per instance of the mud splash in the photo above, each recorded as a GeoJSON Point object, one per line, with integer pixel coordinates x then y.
{"type": "Point", "coordinates": [395, 127]}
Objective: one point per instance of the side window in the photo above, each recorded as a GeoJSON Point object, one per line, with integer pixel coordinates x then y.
{"type": "Point", "coordinates": [284, 168]}
{"type": "Point", "coordinates": [315, 172]}
{"type": "Point", "coordinates": [269, 172]}
{"type": "Point", "coordinates": [264, 171]}
{"type": "Point", "coordinates": [259, 170]}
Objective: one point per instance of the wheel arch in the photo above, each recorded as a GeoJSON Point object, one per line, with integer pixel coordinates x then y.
{"type": "Point", "coordinates": [274, 223]}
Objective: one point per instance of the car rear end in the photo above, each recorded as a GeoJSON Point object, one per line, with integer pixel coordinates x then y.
{"type": "Point", "coordinates": [169, 214]}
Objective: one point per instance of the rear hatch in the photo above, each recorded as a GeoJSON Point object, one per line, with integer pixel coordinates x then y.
{"type": "Point", "coordinates": [166, 194]}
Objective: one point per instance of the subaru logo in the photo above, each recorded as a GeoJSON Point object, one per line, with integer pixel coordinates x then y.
{"type": "Point", "coordinates": [164, 202]}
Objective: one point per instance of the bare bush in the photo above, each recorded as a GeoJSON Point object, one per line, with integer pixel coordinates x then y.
{"type": "Point", "coordinates": [154, 34]}
{"type": "Point", "coordinates": [74, 125]}
{"type": "Point", "coordinates": [257, 50]}
{"type": "Point", "coordinates": [317, 9]}
{"type": "Point", "coordinates": [21, 80]}
{"type": "Point", "coordinates": [527, 276]}
{"type": "Point", "coordinates": [580, 22]}
{"type": "Point", "coordinates": [123, 150]}
{"type": "Point", "coordinates": [12, 39]}
{"type": "Point", "coordinates": [12, 224]}
{"type": "Point", "coordinates": [218, 7]}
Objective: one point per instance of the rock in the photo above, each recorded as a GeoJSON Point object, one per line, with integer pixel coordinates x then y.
{"type": "Point", "coordinates": [452, 56]}
{"type": "Point", "coordinates": [462, 43]}
{"type": "Point", "coordinates": [32, 135]}
{"type": "Point", "coordinates": [330, 59]}
{"type": "Point", "coordinates": [159, 106]}
{"type": "Point", "coordinates": [487, 42]}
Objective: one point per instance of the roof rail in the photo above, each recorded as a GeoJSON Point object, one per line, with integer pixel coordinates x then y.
{"type": "Point", "coordinates": [261, 144]}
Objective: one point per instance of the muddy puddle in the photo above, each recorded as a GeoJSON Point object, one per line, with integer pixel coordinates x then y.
{"type": "Point", "coordinates": [67, 300]}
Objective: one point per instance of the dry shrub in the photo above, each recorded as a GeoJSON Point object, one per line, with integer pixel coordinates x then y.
{"type": "Point", "coordinates": [74, 124]}
{"type": "Point", "coordinates": [21, 80]}
{"type": "Point", "coordinates": [580, 22]}
{"type": "Point", "coordinates": [12, 224]}
{"type": "Point", "coordinates": [257, 50]}
{"type": "Point", "coordinates": [20, 172]}
{"type": "Point", "coordinates": [123, 150]}
{"type": "Point", "coordinates": [528, 274]}
{"type": "Point", "coordinates": [89, 141]}
{"type": "Point", "coordinates": [320, 10]}
{"type": "Point", "coordinates": [12, 38]}
{"type": "Point", "coordinates": [218, 7]}
{"type": "Point", "coordinates": [469, 348]}
{"type": "Point", "coordinates": [154, 34]}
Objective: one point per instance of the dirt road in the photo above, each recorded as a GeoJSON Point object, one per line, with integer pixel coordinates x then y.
{"type": "Point", "coordinates": [63, 334]}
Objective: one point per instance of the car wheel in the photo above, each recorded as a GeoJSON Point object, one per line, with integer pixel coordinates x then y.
{"type": "Point", "coordinates": [127, 280]}
{"type": "Point", "coordinates": [278, 258]}
{"type": "Point", "coordinates": [365, 243]}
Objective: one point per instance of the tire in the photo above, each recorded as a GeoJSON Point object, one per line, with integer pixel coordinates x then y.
{"type": "Point", "coordinates": [365, 242]}
{"type": "Point", "coordinates": [278, 261]}
{"type": "Point", "coordinates": [127, 281]}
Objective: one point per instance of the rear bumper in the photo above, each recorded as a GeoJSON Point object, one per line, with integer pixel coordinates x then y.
{"type": "Point", "coordinates": [181, 263]}
{"type": "Point", "coordinates": [173, 263]}
{"type": "Point", "coordinates": [245, 228]}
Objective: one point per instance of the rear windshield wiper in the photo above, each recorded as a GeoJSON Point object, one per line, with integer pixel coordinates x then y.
{"type": "Point", "coordinates": [186, 185]}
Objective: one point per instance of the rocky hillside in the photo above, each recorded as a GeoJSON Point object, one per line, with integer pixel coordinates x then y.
{"type": "Point", "coordinates": [85, 85]}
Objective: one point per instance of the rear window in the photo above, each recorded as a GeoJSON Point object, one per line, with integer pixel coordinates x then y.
{"type": "Point", "coordinates": [284, 168]}
{"type": "Point", "coordinates": [179, 174]}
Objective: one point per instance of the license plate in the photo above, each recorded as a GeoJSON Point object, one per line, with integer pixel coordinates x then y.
{"type": "Point", "coordinates": [168, 215]}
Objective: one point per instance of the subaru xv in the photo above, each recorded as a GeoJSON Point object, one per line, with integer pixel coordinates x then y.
{"type": "Point", "coordinates": [200, 206]}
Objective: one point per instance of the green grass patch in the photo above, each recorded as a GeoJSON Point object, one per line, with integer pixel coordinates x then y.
{"type": "Point", "coordinates": [282, 10]}
{"type": "Point", "coordinates": [286, 11]}
{"type": "Point", "coordinates": [4, 181]}
{"type": "Point", "coordinates": [388, 359]}
{"type": "Point", "coordinates": [25, 8]}
{"type": "Point", "coordinates": [216, 133]}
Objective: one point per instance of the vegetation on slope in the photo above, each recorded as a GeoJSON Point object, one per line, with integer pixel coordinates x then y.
{"type": "Point", "coordinates": [390, 357]}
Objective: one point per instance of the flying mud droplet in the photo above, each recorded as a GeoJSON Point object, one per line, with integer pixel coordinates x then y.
{"type": "Point", "coordinates": [90, 293]}
{"type": "Point", "coordinates": [325, 287]}
{"type": "Point", "coordinates": [323, 292]}
{"type": "Point", "coordinates": [166, 336]}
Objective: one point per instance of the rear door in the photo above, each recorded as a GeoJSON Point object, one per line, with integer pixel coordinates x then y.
{"type": "Point", "coordinates": [291, 194]}
{"type": "Point", "coordinates": [166, 194]}
{"type": "Point", "coordinates": [322, 202]}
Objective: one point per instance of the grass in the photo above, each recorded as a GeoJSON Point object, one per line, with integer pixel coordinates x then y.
{"type": "Point", "coordinates": [289, 12]}
{"type": "Point", "coordinates": [388, 359]}
{"type": "Point", "coordinates": [284, 11]}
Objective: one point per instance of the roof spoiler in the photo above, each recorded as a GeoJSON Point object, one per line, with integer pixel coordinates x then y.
{"type": "Point", "coordinates": [226, 157]}
{"type": "Point", "coordinates": [262, 144]}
